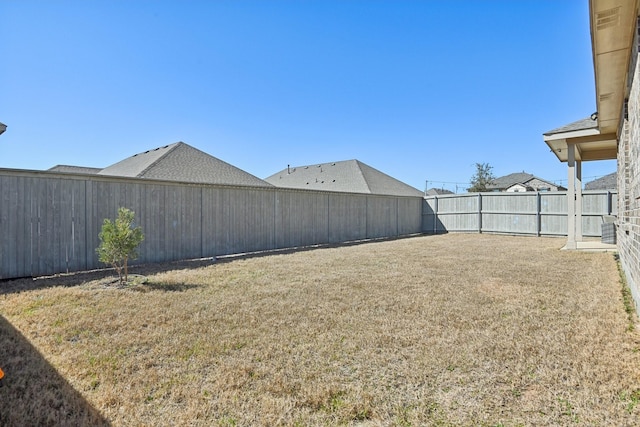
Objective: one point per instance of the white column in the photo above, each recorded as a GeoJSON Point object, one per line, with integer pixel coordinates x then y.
{"type": "Point", "coordinates": [571, 198]}
{"type": "Point", "coordinates": [578, 201]}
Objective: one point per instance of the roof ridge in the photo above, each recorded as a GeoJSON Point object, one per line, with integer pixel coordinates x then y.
{"type": "Point", "coordinates": [331, 162]}
{"type": "Point", "coordinates": [364, 177]}
{"type": "Point", "coordinates": [152, 164]}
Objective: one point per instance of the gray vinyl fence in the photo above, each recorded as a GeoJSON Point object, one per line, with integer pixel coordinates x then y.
{"type": "Point", "coordinates": [49, 222]}
{"type": "Point", "coordinates": [530, 213]}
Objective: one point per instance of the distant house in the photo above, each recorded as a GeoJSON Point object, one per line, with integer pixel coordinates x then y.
{"type": "Point", "coordinates": [607, 182]}
{"type": "Point", "coordinates": [181, 162]}
{"type": "Point", "coordinates": [520, 182]}
{"type": "Point", "coordinates": [350, 176]}
{"type": "Point", "coordinates": [438, 192]}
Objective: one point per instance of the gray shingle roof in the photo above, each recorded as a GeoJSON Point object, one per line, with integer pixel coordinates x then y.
{"type": "Point", "coordinates": [182, 162]}
{"type": "Point", "coordinates": [350, 176]}
{"type": "Point", "coordinates": [607, 182]}
{"type": "Point", "coordinates": [524, 178]}
{"type": "Point", "coordinates": [74, 169]}
{"type": "Point", "coordinates": [583, 124]}
{"type": "Point", "coordinates": [509, 180]}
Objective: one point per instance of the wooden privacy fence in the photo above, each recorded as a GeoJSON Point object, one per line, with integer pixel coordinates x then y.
{"type": "Point", "coordinates": [49, 222]}
{"type": "Point", "coordinates": [539, 213]}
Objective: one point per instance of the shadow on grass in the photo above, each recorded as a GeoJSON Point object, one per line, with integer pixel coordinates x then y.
{"type": "Point", "coordinates": [108, 277]}
{"type": "Point", "coordinates": [32, 393]}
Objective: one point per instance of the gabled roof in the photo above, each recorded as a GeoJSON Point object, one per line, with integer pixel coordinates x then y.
{"type": "Point", "coordinates": [74, 169]}
{"type": "Point", "coordinates": [350, 176]}
{"type": "Point", "coordinates": [182, 162]}
{"type": "Point", "coordinates": [607, 182]}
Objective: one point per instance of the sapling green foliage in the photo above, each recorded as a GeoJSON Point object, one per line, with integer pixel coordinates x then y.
{"type": "Point", "coordinates": [118, 242]}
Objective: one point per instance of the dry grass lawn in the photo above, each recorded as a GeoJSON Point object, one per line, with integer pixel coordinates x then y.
{"type": "Point", "coordinates": [435, 330]}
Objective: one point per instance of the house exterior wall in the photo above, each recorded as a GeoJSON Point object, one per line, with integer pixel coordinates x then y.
{"type": "Point", "coordinates": [517, 188]}
{"type": "Point", "coordinates": [628, 233]}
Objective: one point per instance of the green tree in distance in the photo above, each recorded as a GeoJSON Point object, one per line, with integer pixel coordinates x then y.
{"type": "Point", "coordinates": [482, 178]}
{"type": "Point", "coordinates": [118, 242]}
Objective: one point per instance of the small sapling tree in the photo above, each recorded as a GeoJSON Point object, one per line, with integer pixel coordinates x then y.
{"type": "Point", "coordinates": [118, 242]}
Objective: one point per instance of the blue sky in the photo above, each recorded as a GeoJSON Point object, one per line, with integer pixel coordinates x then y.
{"type": "Point", "coordinates": [421, 90]}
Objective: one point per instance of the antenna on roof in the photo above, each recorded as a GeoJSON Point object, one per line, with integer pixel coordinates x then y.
{"type": "Point", "coordinates": [288, 169]}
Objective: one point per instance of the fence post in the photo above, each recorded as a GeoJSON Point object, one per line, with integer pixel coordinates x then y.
{"type": "Point", "coordinates": [435, 215]}
{"type": "Point", "coordinates": [479, 213]}
{"type": "Point", "coordinates": [538, 213]}
{"type": "Point", "coordinates": [397, 216]}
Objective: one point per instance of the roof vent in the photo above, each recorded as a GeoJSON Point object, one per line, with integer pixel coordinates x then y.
{"type": "Point", "coordinates": [606, 96]}
{"type": "Point", "coordinates": [608, 18]}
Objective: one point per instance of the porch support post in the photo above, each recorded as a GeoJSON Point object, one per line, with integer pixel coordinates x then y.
{"type": "Point", "coordinates": [571, 198]}
{"type": "Point", "coordinates": [578, 201]}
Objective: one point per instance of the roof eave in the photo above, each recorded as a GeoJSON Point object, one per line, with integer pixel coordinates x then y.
{"type": "Point", "coordinates": [612, 32]}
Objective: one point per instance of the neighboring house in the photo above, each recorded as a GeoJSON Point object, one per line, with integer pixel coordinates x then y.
{"type": "Point", "coordinates": [438, 192]}
{"type": "Point", "coordinates": [613, 132]}
{"type": "Point", "coordinates": [181, 162]}
{"type": "Point", "coordinates": [607, 182]}
{"type": "Point", "coordinates": [75, 169]}
{"type": "Point", "coordinates": [521, 182]}
{"type": "Point", "coordinates": [351, 176]}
